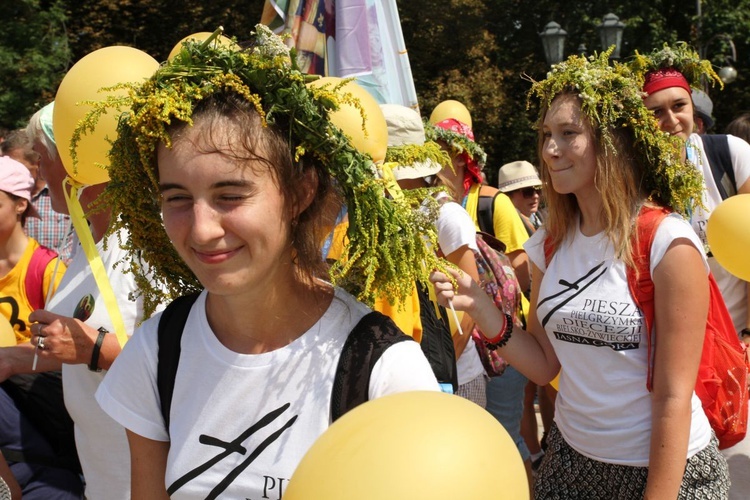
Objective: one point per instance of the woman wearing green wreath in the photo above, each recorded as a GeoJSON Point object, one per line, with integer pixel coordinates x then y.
{"type": "Point", "coordinates": [670, 75]}
{"type": "Point", "coordinates": [237, 156]}
{"type": "Point", "coordinates": [622, 430]}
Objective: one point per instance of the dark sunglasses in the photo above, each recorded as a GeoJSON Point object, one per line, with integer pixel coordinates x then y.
{"type": "Point", "coordinates": [528, 192]}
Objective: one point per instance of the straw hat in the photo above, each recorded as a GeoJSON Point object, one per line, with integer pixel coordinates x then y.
{"type": "Point", "coordinates": [517, 175]}
{"type": "Point", "coordinates": [405, 128]}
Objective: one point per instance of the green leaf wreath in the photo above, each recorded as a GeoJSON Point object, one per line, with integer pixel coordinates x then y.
{"type": "Point", "coordinates": [681, 57]}
{"type": "Point", "coordinates": [388, 244]}
{"type": "Point", "coordinates": [457, 143]}
{"type": "Point", "coordinates": [611, 97]}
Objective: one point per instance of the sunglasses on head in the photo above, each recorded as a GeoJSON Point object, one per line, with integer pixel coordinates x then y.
{"type": "Point", "coordinates": [528, 192]}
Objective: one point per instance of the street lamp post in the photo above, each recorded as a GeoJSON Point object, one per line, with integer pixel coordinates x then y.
{"type": "Point", "coordinates": [610, 32]}
{"type": "Point", "coordinates": [553, 38]}
{"type": "Point", "coordinates": [727, 73]}
{"type": "Point", "coordinates": [553, 41]}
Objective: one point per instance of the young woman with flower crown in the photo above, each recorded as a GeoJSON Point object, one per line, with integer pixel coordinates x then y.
{"type": "Point", "coordinates": [243, 159]}
{"type": "Point", "coordinates": [669, 75]}
{"type": "Point", "coordinates": [603, 160]}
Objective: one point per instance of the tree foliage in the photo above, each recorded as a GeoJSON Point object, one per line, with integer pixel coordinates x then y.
{"type": "Point", "coordinates": [483, 52]}
{"type": "Point", "coordinates": [34, 56]}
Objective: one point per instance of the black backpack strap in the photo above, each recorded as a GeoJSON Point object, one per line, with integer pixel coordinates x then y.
{"type": "Point", "coordinates": [437, 342]}
{"type": "Point", "coordinates": [171, 325]}
{"type": "Point", "coordinates": [367, 341]}
{"type": "Point", "coordinates": [716, 148]}
{"type": "Point", "coordinates": [486, 213]}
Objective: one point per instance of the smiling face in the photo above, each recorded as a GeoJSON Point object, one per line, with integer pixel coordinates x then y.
{"type": "Point", "coordinates": [673, 108]}
{"type": "Point", "coordinates": [227, 218]}
{"type": "Point", "coordinates": [569, 148]}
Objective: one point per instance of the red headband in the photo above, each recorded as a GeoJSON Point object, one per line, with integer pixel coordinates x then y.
{"type": "Point", "coordinates": [661, 79]}
{"type": "Point", "coordinates": [472, 173]}
{"type": "Point", "coordinates": [456, 126]}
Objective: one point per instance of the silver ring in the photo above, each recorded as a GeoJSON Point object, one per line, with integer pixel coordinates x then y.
{"type": "Point", "coordinates": [40, 343]}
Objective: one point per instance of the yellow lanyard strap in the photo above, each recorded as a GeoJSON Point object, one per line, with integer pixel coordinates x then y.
{"type": "Point", "coordinates": [386, 171]}
{"type": "Point", "coordinates": [93, 258]}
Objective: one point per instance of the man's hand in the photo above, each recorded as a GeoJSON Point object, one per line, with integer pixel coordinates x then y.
{"type": "Point", "coordinates": [66, 339]}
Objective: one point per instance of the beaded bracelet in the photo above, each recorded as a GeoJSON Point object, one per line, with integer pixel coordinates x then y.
{"type": "Point", "coordinates": [504, 336]}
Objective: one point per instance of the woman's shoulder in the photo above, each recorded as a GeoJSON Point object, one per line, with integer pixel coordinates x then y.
{"type": "Point", "coordinates": [672, 228]}
{"type": "Point", "coordinates": [345, 309]}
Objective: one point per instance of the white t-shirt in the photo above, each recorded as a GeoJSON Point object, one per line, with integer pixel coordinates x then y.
{"type": "Point", "coordinates": [603, 408]}
{"type": "Point", "coordinates": [456, 229]}
{"type": "Point", "coordinates": [101, 442]}
{"type": "Point", "coordinates": [733, 289]}
{"type": "Point", "coordinates": [231, 407]}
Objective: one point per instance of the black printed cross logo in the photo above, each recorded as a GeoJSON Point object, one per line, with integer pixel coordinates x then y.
{"type": "Point", "coordinates": [234, 446]}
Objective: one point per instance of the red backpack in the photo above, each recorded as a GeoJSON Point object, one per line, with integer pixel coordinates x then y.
{"type": "Point", "coordinates": [34, 281]}
{"type": "Point", "coordinates": [722, 383]}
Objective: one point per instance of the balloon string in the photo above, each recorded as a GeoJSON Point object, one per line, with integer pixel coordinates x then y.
{"type": "Point", "coordinates": [94, 259]}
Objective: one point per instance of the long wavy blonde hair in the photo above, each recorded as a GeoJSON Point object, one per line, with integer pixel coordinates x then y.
{"type": "Point", "coordinates": [619, 180]}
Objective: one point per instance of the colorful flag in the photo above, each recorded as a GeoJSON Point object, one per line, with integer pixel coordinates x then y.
{"type": "Point", "coordinates": [348, 38]}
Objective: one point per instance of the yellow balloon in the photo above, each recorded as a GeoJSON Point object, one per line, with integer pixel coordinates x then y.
{"type": "Point", "coordinates": [450, 109]}
{"type": "Point", "coordinates": [7, 335]}
{"type": "Point", "coordinates": [728, 235]}
{"type": "Point", "coordinates": [199, 37]}
{"type": "Point", "coordinates": [102, 68]}
{"type": "Point", "coordinates": [412, 445]}
{"type": "Point", "coordinates": [349, 119]}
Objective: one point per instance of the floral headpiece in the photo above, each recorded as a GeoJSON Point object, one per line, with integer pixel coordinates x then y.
{"type": "Point", "coordinates": [417, 154]}
{"type": "Point", "coordinates": [682, 58]}
{"type": "Point", "coordinates": [459, 137]}
{"type": "Point", "coordinates": [386, 251]}
{"type": "Point", "coordinates": [611, 98]}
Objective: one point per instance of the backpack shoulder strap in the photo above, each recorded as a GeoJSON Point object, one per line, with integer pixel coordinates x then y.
{"type": "Point", "coordinates": [366, 343]}
{"type": "Point", "coordinates": [486, 213]}
{"type": "Point", "coordinates": [639, 275]}
{"type": "Point", "coordinates": [716, 148]}
{"type": "Point", "coordinates": [171, 325]}
{"type": "Point", "coordinates": [34, 281]}
{"type": "Point", "coordinates": [437, 342]}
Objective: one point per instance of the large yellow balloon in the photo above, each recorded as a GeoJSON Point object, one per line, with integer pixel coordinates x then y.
{"type": "Point", "coordinates": [7, 334]}
{"type": "Point", "coordinates": [728, 234]}
{"type": "Point", "coordinates": [412, 445]}
{"type": "Point", "coordinates": [450, 109]}
{"type": "Point", "coordinates": [349, 119]}
{"type": "Point", "coordinates": [199, 37]}
{"type": "Point", "coordinates": [102, 68]}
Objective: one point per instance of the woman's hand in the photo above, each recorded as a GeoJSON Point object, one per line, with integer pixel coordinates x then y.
{"type": "Point", "coordinates": [66, 339]}
{"type": "Point", "coordinates": [466, 298]}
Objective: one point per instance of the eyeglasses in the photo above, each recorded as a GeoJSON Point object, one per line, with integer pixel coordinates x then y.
{"type": "Point", "coordinates": [528, 192]}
